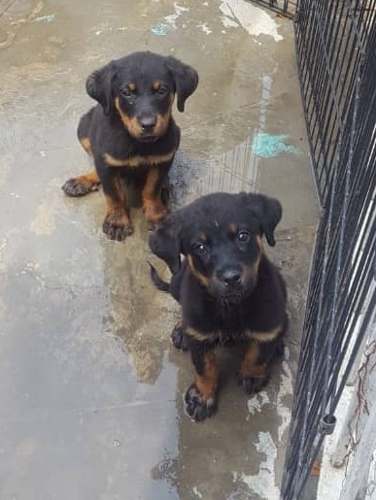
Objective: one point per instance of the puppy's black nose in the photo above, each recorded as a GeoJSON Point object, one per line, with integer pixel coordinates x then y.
{"type": "Point", "coordinates": [231, 276]}
{"type": "Point", "coordinates": [148, 122]}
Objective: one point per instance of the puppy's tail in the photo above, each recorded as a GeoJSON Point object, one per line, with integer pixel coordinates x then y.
{"type": "Point", "coordinates": [163, 286]}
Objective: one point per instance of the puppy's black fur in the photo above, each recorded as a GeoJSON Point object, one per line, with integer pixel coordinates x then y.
{"type": "Point", "coordinates": [131, 133]}
{"type": "Point", "coordinates": [227, 287]}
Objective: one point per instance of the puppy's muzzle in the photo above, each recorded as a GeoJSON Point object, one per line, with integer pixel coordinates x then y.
{"type": "Point", "coordinates": [231, 277]}
{"type": "Point", "coordinates": [227, 283]}
{"type": "Point", "coordinates": [232, 283]}
{"type": "Point", "coordinates": [147, 124]}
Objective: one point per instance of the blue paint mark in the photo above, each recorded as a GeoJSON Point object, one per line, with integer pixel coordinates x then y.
{"type": "Point", "coordinates": [161, 29]}
{"type": "Point", "coordinates": [44, 19]}
{"type": "Point", "coordinates": [267, 145]}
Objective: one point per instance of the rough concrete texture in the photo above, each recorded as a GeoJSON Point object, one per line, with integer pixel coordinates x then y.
{"type": "Point", "coordinates": [90, 387]}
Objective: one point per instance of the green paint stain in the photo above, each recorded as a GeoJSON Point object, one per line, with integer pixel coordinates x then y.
{"type": "Point", "coordinates": [161, 29]}
{"type": "Point", "coordinates": [267, 145]}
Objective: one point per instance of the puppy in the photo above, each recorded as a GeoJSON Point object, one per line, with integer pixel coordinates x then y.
{"type": "Point", "coordinates": [227, 288]}
{"type": "Point", "coordinates": [131, 134]}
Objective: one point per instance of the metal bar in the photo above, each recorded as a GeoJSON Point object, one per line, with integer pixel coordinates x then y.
{"type": "Point", "coordinates": [287, 9]}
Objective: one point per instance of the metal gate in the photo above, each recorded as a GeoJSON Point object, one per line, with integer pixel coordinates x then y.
{"type": "Point", "coordinates": [336, 54]}
{"type": "Point", "coordinates": [285, 7]}
{"type": "Point", "coordinates": [336, 51]}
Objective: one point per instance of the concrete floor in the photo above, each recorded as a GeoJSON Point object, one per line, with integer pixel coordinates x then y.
{"type": "Point", "coordinates": [90, 387]}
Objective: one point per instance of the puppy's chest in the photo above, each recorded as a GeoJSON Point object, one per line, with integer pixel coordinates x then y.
{"type": "Point", "coordinates": [225, 327]}
{"type": "Point", "coordinates": [226, 336]}
{"type": "Point", "coordinates": [121, 152]}
{"type": "Point", "coordinates": [123, 158]}
{"type": "Point", "coordinates": [222, 336]}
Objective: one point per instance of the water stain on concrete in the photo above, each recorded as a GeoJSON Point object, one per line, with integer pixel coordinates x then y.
{"type": "Point", "coordinates": [262, 484]}
{"type": "Point", "coordinates": [238, 13]}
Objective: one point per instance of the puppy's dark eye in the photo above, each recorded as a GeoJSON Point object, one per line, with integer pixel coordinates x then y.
{"type": "Point", "coordinates": [200, 249]}
{"type": "Point", "coordinates": [128, 93]}
{"type": "Point", "coordinates": [243, 236]}
{"type": "Point", "coordinates": [162, 90]}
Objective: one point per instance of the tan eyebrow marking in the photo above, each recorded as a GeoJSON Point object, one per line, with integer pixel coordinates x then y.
{"type": "Point", "coordinates": [156, 85]}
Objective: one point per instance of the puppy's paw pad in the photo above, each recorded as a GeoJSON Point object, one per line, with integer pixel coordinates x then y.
{"type": "Point", "coordinates": [196, 407]}
{"type": "Point", "coordinates": [252, 385]}
{"type": "Point", "coordinates": [179, 339]}
{"type": "Point", "coordinates": [116, 231]}
{"type": "Point", "coordinates": [76, 187]}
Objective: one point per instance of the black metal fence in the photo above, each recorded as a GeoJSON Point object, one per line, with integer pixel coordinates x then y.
{"type": "Point", "coordinates": [336, 51]}
{"type": "Point", "coordinates": [336, 54]}
{"type": "Point", "coordinates": [285, 7]}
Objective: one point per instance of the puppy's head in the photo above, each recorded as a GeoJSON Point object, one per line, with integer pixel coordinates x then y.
{"type": "Point", "coordinates": [141, 88]}
{"type": "Point", "coordinates": [221, 237]}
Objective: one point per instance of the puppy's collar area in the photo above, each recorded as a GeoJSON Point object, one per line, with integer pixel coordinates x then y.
{"type": "Point", "coordinates": [266, 336]}
{"type": "Point", "coordinates": [225, 337]}
{"type": "Point", "coordinates": [136, 161]}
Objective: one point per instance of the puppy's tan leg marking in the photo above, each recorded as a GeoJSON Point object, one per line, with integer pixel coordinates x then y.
{"type": "Point", "coordinates": [207, 382]}
{"type": "Point", "coordinates": [153, 207]}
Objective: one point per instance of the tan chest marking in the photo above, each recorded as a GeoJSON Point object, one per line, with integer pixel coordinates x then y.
{"type": "Point", "coordinates": [138, 160]}
{"type": "Point", "coordinates": [199, 336]}
{"type": "Point", "coordinates": [265, 336]}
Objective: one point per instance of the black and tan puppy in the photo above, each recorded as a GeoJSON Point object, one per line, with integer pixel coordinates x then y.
{"type": "Point", "coordinates": [227, 287]}
{"type": "Point", "coordinates": [131, 133]}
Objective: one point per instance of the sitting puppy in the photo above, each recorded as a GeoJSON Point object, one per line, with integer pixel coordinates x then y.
{"type": "Point", "coordinates": [227, 287]}
{"type": "Point", "coordinates": [131, 133]}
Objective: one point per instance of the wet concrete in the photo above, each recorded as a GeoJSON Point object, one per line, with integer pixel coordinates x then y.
{"type": "Point", "coordinates": [90, 388]}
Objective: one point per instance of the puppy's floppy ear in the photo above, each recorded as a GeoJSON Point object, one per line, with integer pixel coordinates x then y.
{"type": "Point", "coordinates": [185, 78]}
{"type": "Point", "coordinates": [99, 86]}
{"type": "Point", "coordinates": [166, 244]}
{"type": "Point", "coordinates": [268, 211]}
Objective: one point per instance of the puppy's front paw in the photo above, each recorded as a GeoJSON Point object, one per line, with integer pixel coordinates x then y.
{"type": "Point", "coordinates": [117, 227]}
{"type": "Point", "coordinates": [178, 338]}
{"type": "Point", "coordinates": [196, 406]}
{"type": "Point", "coordinates": [79, 186]}
{"type": "Point", "coordinates": [252, 385]}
